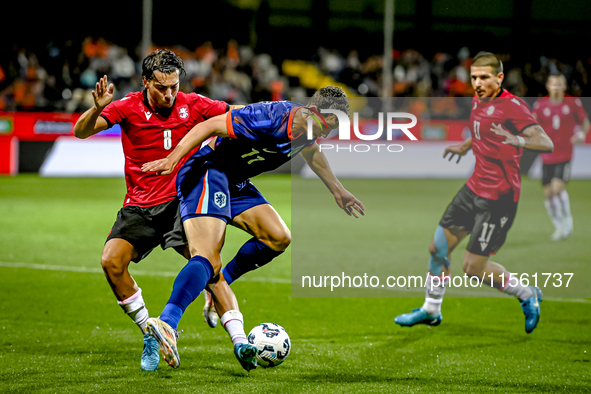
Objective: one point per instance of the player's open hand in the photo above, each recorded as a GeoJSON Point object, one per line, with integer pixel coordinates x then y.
{"type": "Point", "coordinates": [455, 150]}
{"type": "Point", "coordinates": [578, 138]}
{"type": "Point", "coordinates": [349, 203]}
{"type": "Point", "coordinates": [510, 139]}
{"type": "Point", "coordinates": [162, 166]}
{"type": "Point", "coordinates": [102, 94]}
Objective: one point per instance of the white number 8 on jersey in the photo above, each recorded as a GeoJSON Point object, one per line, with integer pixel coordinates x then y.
{"type": "Point", "coordinates": [167, 139]}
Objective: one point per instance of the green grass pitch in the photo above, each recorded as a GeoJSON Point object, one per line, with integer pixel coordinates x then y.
{"type": "Point", "coordinates": [62, 331]}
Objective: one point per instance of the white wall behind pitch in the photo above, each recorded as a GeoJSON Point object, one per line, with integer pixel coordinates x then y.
{"type": "Point", "coordinates": [95, 157]}
{"type": "Point", "coordinates": [425, 160]}
{"type": "Point", "coordinates": [103, 157]}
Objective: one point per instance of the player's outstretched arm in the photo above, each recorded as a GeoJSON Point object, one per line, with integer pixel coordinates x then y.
{"type": "Point", "coordinates": [459, 150]}
{"type": "Point", "coordinates": [215, 126]}
{"type": "Point", "coordinates": [344, 199]}
{"type": "Point", "coordinates": [90, 123]}
{"type": "Point", "coordinates": [532, 137]}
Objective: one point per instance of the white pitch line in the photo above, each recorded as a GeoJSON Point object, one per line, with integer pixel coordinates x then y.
{"type": "Point", "coordinates": [92, 270]}
{"type": "Point", "coordinates": [169, 274]}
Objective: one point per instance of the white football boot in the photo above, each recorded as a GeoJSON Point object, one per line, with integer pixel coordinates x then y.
{"type": "Point", "coordinates": [209, 312]}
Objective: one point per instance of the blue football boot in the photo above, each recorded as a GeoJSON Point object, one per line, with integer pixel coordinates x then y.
{"type": "Point", "coordinates": [150, 356]}
{"type": "Point", "coordinates": [531, 309]}
{"type": "Point", "coordinates": [246, 355]}
{"type": "Point", "coordinates": [418, 316]}
{"type": "Point", "coordinates": [166, 337]}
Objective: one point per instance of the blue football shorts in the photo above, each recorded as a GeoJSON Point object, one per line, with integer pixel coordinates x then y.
{"type": "Point", "coordinates": [204, 191]}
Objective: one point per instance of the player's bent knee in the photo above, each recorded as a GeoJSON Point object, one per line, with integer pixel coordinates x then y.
{"type": "Point", "coordinates": [281, 242]}
{"type": "Point", "coordinates": [278, 241]}
{"type": "Point", "coordinates": [548, 191]}
{"type": "Point", "coordinates": [117, 254]}
{"type": "Point", "coordinates": [211, 256]}
{"type": "Point", "coordinates": [472, 268]}
{"type": "Point", "coordinates": [194, 252]}
{"type": "Point", "coordinates": [114, 266]}
{"type": "Point", "coordinates": [207, 252]}
{"type": "Point", "coordinates": [216, 264]}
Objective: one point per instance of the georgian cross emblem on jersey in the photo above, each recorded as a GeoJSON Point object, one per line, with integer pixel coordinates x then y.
{"type": "Point", "coordinates": [183, 113]}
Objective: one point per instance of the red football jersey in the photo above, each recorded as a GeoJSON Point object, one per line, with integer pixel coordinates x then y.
{"type": "Point", "coordinates": [560, 123]}
{"type": "Point", "coordinates": [148, 135]}
{"type": "Point", "coordinates": [496, 173]}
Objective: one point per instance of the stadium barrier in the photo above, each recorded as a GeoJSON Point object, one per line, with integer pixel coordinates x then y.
{"type": "Point", "coordinates": [63, 155]}
{"type": "Point", "coordinates": [26, 138]}
{"type": "Point", "coordinates": [421, 160]}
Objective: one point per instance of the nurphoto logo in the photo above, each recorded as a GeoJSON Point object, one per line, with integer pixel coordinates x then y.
{"type": "Point", "coordinates": [394, 121]}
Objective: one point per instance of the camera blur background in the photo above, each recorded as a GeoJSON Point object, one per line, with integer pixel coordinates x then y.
{"type": "Point", "coordinates": [245, 51]}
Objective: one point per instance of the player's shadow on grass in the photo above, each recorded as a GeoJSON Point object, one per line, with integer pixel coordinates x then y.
{"type": "Point", "coordinates": [342, 377]}
{"type": "Point", "coordinates": [443, 384]}
{"type": "Point", "coordinates": [577, 341]}
{"type": "Point", "coordinates": [468, 335]}
{"type": "Point", "coordinates": [188, 369]}
{"type": "Point", "coordinates": [233, 371]}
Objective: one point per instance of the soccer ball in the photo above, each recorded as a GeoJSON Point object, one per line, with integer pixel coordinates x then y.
{"type": "Point", "coordinates": [272, 342]}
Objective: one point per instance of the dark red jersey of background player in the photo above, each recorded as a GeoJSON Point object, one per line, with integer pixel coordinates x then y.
{"type": "Point", "coordinates": [147, 135]}
{"type": "Point", "coordinates": [559, 122]}
{"type": "Point", "coordinates": [496, 173]}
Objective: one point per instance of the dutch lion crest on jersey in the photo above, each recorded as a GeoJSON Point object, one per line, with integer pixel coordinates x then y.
{"type": "Point", "coordinates": [220, 199]}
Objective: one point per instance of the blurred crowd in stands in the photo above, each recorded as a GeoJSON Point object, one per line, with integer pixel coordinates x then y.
{"type": "Point", "coordinates": [62, 77]}
{"type": "Point", "coordinates": [65, 81]}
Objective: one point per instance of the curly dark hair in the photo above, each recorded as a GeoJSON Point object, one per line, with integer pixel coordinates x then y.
{"type": "Point", "coordinates": [164, 61]}
{"type": "Point", "coordinates": [331, 97]}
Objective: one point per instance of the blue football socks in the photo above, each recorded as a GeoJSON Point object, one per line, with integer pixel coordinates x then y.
{"type": "Point", "coordinates": [252, 255]}
{"type": "Point", "coordinates": [188, 284]}
{"type": "Point", "coordinates": [439, 259]}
